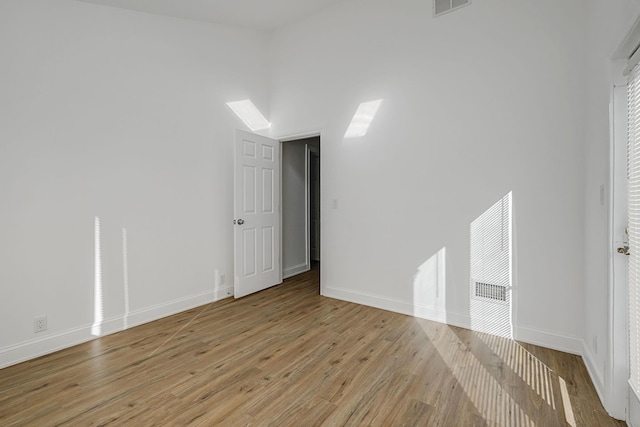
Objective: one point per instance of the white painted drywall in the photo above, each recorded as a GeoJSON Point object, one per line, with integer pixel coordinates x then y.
{"type": "Point", "coordinates": [476, 103]}
{"type": "Point", "coordinates": [119, 115]}
{"type": "Point", "coordinates": [294, 212]}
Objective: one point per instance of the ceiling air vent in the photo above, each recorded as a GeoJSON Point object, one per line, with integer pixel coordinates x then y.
{"type": "Point", "coordinates": [440, 7]}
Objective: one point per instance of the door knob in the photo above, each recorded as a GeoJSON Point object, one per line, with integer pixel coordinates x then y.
{"type": "Point", "coordinates": [240, 221]}
{"type": "Point", "coordinates": [624, 250]}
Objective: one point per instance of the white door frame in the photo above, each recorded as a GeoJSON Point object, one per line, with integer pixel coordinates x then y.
{"type": "Point", "coordinates": [290, 138]}
{"type": "Point", "coordinates": [616, 362]}
{"type": "Point", "coordinates": [310, 150]}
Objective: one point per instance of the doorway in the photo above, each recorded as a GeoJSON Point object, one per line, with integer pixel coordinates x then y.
{"type": "Point", "coordinates": [301, 213]}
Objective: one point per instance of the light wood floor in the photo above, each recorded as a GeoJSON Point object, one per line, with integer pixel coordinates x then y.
{"type": "Point", "coordinates": [288, 357]}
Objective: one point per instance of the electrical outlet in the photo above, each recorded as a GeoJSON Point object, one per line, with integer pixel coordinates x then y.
{"type": "Point", "coordinates": [40, 324]}
{"type": "Point", "coordinates": [219, 278]}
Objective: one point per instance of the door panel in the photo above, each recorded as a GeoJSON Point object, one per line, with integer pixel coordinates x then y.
{"type": "Point", "coordinates": [249, 184]}
{"type": "Point", "coordinates": [267, 191]}
{"type": "Point", "coordinates": [249, 243]}
{"type": "Point", "coordinates": [617, 372]}
{"type": "Point", "coordinates": [268, 259]}
{"type": "Point", "coordinates": [257, 213]}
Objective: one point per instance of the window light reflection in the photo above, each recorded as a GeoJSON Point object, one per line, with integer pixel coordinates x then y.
{"type": "Point", "coordinates": [362, 119]}
{"type": "Point", "coordinates": [249, 114]}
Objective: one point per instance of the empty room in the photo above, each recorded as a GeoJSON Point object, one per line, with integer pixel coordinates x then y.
{"type": "Point", "coordinates": [320, 212]}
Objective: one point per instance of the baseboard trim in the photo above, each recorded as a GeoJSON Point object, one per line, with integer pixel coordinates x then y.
{"type": "Point", "coordinates": [12, 355]}
{"type": "Point", "coordinates": [435, 314]}
{"type": "Point", "coordinates": [548, 339]}
{"type": "Point", "coordinates": [31, 349]}
{"type": "Point", "coordinates": [149, 314]}
{"type": "Point", "coordinates": [296, 269]}
{"type": "Point", "coordinates": [634, 409]}
{"type": "Point", "coordinates": [596, 374]}
{"type": "Point", "coordinates": [551, 340]}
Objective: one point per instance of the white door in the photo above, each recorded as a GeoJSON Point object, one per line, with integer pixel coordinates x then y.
{"type": "Point", "coordinates": [256, 213]}
{"type": "Point", "coordinates": [617, 369]}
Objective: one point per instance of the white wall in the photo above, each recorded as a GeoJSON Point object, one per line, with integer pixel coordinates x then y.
{"type": "Point", "coordinates": [294, 212]}
{"type": "Point", "coordinates": [118, 115]}
{"type": "Point", "coordinates": [477, 103]}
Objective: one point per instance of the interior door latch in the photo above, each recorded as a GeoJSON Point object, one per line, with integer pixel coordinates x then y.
{"type": "Point", "coordinates": [624, 250]}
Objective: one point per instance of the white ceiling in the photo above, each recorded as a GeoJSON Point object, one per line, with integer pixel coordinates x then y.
{"type": "Point", "coordinates": [257, 14]}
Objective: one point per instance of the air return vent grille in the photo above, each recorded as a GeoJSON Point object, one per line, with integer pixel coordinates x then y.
{"type": "Point", "coordinates": [491, 292]}
{"type": "Point", "coordinates": [441, 7]}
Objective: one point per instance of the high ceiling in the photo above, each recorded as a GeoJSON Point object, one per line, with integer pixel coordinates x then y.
{"type": "Point", "coordinates": [257, 14]}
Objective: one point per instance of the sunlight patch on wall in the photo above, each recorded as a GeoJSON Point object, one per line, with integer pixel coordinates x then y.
{"type": "Point", "coordinates": [362, 119]}
{"type": "Point", "coordinates": [429, 287]}
{"type": "Point", "coordinates": [249, 114]}
{"type": "Point", "coordinates": [490, 287]}
{"type": "Point", "coordinates": [125, 277]}
{"type": "Point", "coordinates": [98, 304]}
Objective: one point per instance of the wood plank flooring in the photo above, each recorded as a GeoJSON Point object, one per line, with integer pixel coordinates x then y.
{"type": "Point", "coordinates": [289, 357]}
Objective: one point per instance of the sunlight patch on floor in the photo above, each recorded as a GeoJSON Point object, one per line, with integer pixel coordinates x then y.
{"type": "Point", "coordinates": [529, 368]}
{"type": "Point", "coordinates": [491, 400]}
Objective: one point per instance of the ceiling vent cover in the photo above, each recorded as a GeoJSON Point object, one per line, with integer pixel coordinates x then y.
{"type": "Point", "coordinates": [440, 7]}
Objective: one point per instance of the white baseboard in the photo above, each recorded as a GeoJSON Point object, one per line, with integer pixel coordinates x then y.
{"type": "Point", "coordinates": [595, 372]}
{"type": "Point", "coordinates": [384, 303]}
{"type": "Point", "coordinates": [552, 340]}
{"type": "Point", "coordinates": [149, 314]}
{"type": "Point", "coordinates": [435, 314]}
{"type": "Point", "coordinates": [37, 347]}
{"type": "Point", "coordinates": [634, 409]}
{"type": "Point", "coordinates": [296, 269]}
{"type": "Point", "coordinates": [532, 336]}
